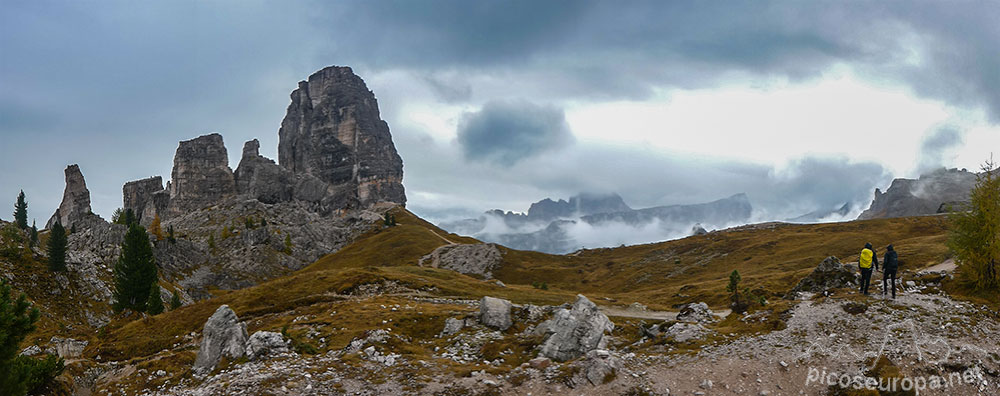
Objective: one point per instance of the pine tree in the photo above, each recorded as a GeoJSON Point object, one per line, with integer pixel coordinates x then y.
{"type": "Point", "coordinates": [21, 212]}
{"type": "Point", "coordinates": [21, 374]}
{"type": "Point", "coordinates": [34, 234]}
{"type": "Point", "coordinates": [154, 305]}
{"type": "Point", "coordinates": [57, 248]}
{"type": "Point", "coordinates": [175, 301]}
{"type": "Point", "coordinates": [135, 271]}
{"type": "Point", "coordinates": [170, 234]}
{"type": "Point", "coordinates": [975, 233]}
{"type": "Point", "coordinates": [130, 218]}
{"type": "Point", "coordinates": [288, 244]}
{"type": "Point", "coordinates": [154, 228]}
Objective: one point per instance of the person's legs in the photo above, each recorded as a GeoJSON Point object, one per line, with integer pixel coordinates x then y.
{"type": "Point", "coordinates": [893, 284]}
{"type": "Point", "coordinates": [885, 276]}
{"type": "Point", "coordinates": [866, 278]}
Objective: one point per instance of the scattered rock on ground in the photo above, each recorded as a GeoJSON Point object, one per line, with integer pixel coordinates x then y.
{"type": "Point", "coordinates": [695, 312]}
{"type": "Point", "coordinates": [571, 333]}
{"type": "Point", "coordinates": [266, 343]}
{"type": "Point", "coordinates": [495, 313]}
{"type": "Point", "coordinates": [829, 274]}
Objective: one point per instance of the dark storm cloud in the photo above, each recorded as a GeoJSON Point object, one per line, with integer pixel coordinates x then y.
{"type": "Point", "coordinates": [115, 85]}
{"type": "Point", "coordinates": [936, 146]}
{"type": "Point", "coordinates": [507, 132]}
{"type": "Point", "coordinates": [616, 49]}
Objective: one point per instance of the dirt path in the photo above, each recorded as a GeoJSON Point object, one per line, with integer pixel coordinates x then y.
{"type": "Point", "coordinates": [947, 266]}
{"type": "Point", "coordinates": [436, 254]}
{"type": "Point", "coordinates": [651, 315]}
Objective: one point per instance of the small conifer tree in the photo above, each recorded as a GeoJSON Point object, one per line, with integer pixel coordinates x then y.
{"type": "Point", "coordinates": [175, 301]}
{"type": "Point", "coordinates": [154, 305]}
{"type": "Point", "coordinates": [135, 271]}
{"type": "Point", "coordinates": [170, 234]}
{"type": "Point", "coordinates": [57, 248]}
{"type": "Point", "coordinates": [34, 234]}
{"type": "Point", "coordinates": [21, 212]}
{"type": "Point", "coordinates": [288, 244]}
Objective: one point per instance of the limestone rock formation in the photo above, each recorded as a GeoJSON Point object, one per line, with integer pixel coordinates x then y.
{"type": "Point", "coordinates": [923, 196]}
{"type": "Point", "coordinates": [75, 206]}
{"type": "Point", "coordinates": [695, 312]}
{"type": "Point", "coordinates": [266, 343]}
{"type": "Point", "coordinates": [829, 274]}
{"type": "Point", "coordinates": [495, 313]}
{"type": "Point", "coordinates": [472, 259]}
{"type": "Point", "coordinates": [573, 332]}
{"type": "Point", "coordinates": [260, 178]}
{"type": "Point", "coordinates": [684, 332]}
{"type": "Point", "coordinates": [201, 176]}
{"type": "Point", "coordinates": [146, 197]}
{"type": "Point", "coordinates": [224, 335]}
{"type": "Point", "coordinates": [332, 130]}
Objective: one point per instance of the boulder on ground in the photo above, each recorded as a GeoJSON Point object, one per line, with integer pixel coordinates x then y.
{"type": "Point", "coordinates": [684, 332]}
{"type": "Point", "coordinates": [452, 326]}
{"type": "Point", "coordinates": [223, 335]}
{"type": "Point", "coordinates": [266, 343]}
{"type": "Point", "coordinates": [66, 347]}
{"type": "Point", "coordinates": [695, 312]}
{"type": "Point", "coordinates": [571, 333]}
{"type": "Point", "coordinates": [600, 367]}
{"type": "Point", "coordinates": [829, 274]}
{"type": "Point", "coordinates": [495, 313]}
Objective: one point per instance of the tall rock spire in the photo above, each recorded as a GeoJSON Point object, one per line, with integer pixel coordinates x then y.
{"type": "Point", "coordinates": [332, 130]}
{"type": "Point", "coordinates": [76, 200]}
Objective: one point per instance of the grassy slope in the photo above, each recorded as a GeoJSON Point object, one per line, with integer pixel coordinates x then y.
{"type": "Point", "coordinates": [660, 275]}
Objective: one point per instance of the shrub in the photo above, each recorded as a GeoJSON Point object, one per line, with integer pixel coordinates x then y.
{"type": "Point", "coordinates": [975, 233]}
{"type": "Point", "coordinates": [154, 228]}
{"type": "Point", "coordinates": [288, 244]}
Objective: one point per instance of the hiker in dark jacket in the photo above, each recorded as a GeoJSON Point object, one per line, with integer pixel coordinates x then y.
{"type": "Point", "coordinates": [866, 261]}
{"type": "Point", "coordinates": [889, 266]}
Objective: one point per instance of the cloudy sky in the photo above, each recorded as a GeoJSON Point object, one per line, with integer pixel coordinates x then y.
{"type": "Point", "coordinates": [802, 105]}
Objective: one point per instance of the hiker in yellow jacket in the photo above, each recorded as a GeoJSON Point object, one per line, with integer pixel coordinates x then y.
{"type": "Point", "coordinates": [867, 260]}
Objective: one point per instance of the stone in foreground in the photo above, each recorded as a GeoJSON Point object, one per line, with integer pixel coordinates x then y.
{"type": "Point", "coordinates": [495, 313]}
{"type": "Point", "coordinates": [224, 335]}
{"type": "Point", "coordinates": [571, 333]}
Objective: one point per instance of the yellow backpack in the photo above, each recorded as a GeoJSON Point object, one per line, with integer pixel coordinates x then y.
{"type": "Point", "coordinates": [866, 258]}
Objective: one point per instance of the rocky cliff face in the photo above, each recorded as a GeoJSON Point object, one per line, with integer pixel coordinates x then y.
{"type": "Point", "coordinates": [332, 130]}
{"type": "Point", "coordinates": [75, 206]}
{"type": "Point", "coordinates": [339, 172]}
{"type": "Point", "coordinates": [201, 176]}
{"type": "Point", "coordinates": [146, 198]}
{"type": "Point", "coordinates": [923, 196]}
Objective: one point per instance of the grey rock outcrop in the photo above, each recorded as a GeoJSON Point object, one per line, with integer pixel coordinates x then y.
{"type": "Point", "coordinates": [146, 197]}
{"type": "Point", "coordinates": [260, 178]}
{"type": "Point", "coordinates": [829, 274]}
{"type": "Point", "coordinates": [573, 332]}
{"type": "Point", "coordinates": [75, 205]}
{"type": "Point", "coordinates": [201, 176]}
{"type": "Point", "coordinates": [452, 326]}
{"type": "Point", "coordinates": [224, 335]}
{"type": "Point", "coordinates": [923, 196]}
{"type": "Point", "coordinates": [695, 312]}
{"type": "Point", "coordinates": [684, 332]}
{"type": "Point", "coordinates": [332, 130]}
{"type": "Point", "coordinates": [472, 259]}
{"type": "Point", "coordinates": [599, 367]}
{"type": "Point", "coordinates": [495, 313]}
{"type": "Point", "coordinates": [266, 343]}
{"type": "Point", "coordinates": [66, 347]}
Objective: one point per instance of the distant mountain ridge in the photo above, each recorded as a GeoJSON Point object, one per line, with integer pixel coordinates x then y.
{"type": "Point", "coordinates": [929, 194]}
{"type": "Point", "coordinates": [548, 225]}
